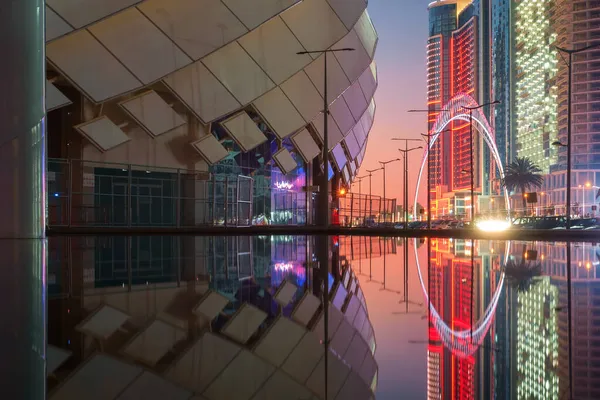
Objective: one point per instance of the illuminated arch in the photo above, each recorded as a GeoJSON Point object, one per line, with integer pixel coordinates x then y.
{"type": "Point", "coordinates": [464, 343]}
{"type": "Point", "coordinates": [455, 110]}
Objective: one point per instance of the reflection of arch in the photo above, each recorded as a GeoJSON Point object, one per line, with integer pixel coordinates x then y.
{"type": "Point", "coordinates": [454, 111]}
{"type": "Point", "coordinates": [463, 343]}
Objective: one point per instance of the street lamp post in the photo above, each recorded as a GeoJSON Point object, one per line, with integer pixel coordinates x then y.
{"type": "Point", "coordinates": [471, 109]}
{"type": "Point", "coordinates": [370, 193]}
{"type": "Point", "coordinates": [405, 151]}
{"type": "Point", "coordinates": [324, 187]}
{"type": "Point", "coordinates": [428, 163]}
{"type": "Point", "coordinates": [383, 164]}
{"type": "Point", "coordinates": [569, 63]}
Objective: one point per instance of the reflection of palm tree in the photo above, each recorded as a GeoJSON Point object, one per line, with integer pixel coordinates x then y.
{"type": "Point", "coordinates": [522, 174]}
{"type": "Point", "coordinates": [522, 275]}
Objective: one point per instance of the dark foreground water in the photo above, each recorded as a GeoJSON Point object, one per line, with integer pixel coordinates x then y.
{"type": "Point", "coordinates": [244, 318]}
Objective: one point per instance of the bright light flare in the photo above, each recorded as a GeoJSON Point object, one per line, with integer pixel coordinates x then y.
{"type": "Point", "coordinates": [492, 225]}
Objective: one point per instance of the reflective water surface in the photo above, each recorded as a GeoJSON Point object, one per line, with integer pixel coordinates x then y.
{"type": "Point", "coordinates": [244, 318]}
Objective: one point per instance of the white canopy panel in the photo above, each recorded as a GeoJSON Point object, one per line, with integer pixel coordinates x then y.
{"type": "Point", "coordinates": [354, 62]}
{"type": "Point", "coordinates": [305, 145]}
{"type": "Point", "coordinates": [55, 25]}
{"type": "Point", "coordinates": [201, 92]}
{"type": "Point", "coordinates": [244, 131]}
{"type": "Point", "coordinates": [90, 66]}
{"type": "Point", "coordinates": [352, 145]}
{"type": "Point", "coordinates": [339, 157]}
{"type": "Point", "coordinates": [337, 81]}
{"type": "Point", "coordinates": [54, 98]}
{"type": "Point", "coordinates": [368, 81]}
{"type": "Point", "coordinates": [305, 96]}
{"type": "Point", "coordinates": [103, 133]}
{"type": "Point", "coordinates": [285, 161]}
{"type": "Point", "coordinates": [334, 133]}
{"type": "Point", "coordinates": [355, 99]}
{"type": "Point", "coordinates": [342, 115]}
{"type": "Point", "coordinates": [253, 13]}
{"type": "Point", "coordinates": [139, 45]}
{"type": "Point", "coordinates": [80, 13]}
{"type": "Point", "coordinates": [349, 11]}
{"type": "Point", "coordinates": [273, 46]}
{"type": "Point", "coordinates": [279, 112]}
{"type": "Point", "coordinates": [210, 149]}
{"type": "Point", "coordinates": [366, 32]}
{"type": "Point", "coordinates": [199, 27]}
{"type": "Point", "coordinates": [346, 174]}
{"type": "Point", "coordinates": [238, 72]}
{"type": "Point", "coordinates": [150, 386]}
{"type": "Point", "coordinates": [151, 112]}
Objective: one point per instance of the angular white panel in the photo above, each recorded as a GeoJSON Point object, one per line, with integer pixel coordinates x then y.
{"type": "Point", "coordinates": [359, 134]}
{"type": "Point", "coordinates": [304, 358]}
{"type": "Point", "coordinates": [244, 323]}
{"type": "Point", "coordinates": [210, 149]}
{"type": "Point", "coordinates": [356, 353]}
{"type": "Point", "coordinates": [355, 388]}
{"type": "Point", "coordinates": [356, 100]}
{"type": "Point", "coordinates": [306, 145]}
{"type": "Point", "coordinates": [339, 157]}
{"type": "Point", "coordinates": [281, 386]}
{"type": "Point", "coordinates": [334, 133]}
{"type": "Point", "coordinates": [315, 24]}
{"type": "Point", "coordinates": [139, 45]}
{"type": "Point", "coordinates": [368, 81]}
{"type": "Point", "coordinates": [101, 378]}
{"type": "Point", "coordinates": [55, 357]}
{"type": "Point", "coordinates": [241, 379]}
{"type": "Point", "coordinates": [153, 387]}
{"type": "Point", "coordinates": [211, 305]}
{"type": "Point", "coordinates": [339, 297]}
{"type": "Point", "coordinates": [55, 25]}
{"type": "Point", "coordinates": [150, 345]}
{"type": "Point", "coordinates": [201, 92]}
{"type": "Point", "coordinates": [337, 372]}
{"type": "Point", "coordinates": [342, 115]}
{"type": "Point", "coordinates": [285, 293]}
{"type": "Point", "coordinates": [342, 338]}
{"type": "Point", "coordinates": [354, 63]}
{"type": "Point", "coordinates": [238, 72]}
{"type": "Point", "coordinates": [82, 59]}
{"type": "Point", "coordinates": [337, 81]}
{"type": "Point", "coordinates": [346, 276]}
{"type": "Point", "coordinates": [202, 362]}
{"type": "Point", "coordinates": [54, 97]}
{"type": "Point", "coordinates": [305, 309]}
{"type": "Point", "coordinates": [279, 341]}
{"type": "Point", "coordinates": [368, 369]}
{"type": "Point", "coordinates": [360, 319]}
{"type": "Point", "coordinates": [346, 175]}
{"type": "Point", "coordinates": [254, 13]}
{"type": "Point", "coordinates": [244, 131]}
{"type": "Point", "coordinates": [335, 318]}
{"type": "Point", "coordinates": [352, 145]}
{"type": "Point", "coordinates": [285, 161]}
{"type": "Point", "coordinates": [279, 112]}
{"type": "Point", "coordinates": [352, 309]}
{"type": "Point", "coordinates": [273, 46]}
{"type": "Point", "coordinates": [349, 11]}
{"type": "Point", "coordinates": [151, 112]}
{"type": "Point", "coordinates": [304, 95]}
{"type": "Point", "coordinates": [79, 13]}
{"type": "Point", "coordinates": [367, 34]}
{"type": "Point", "coordinates": [103, 133]}
{"type": "Point", "coordinates": [199, 27]}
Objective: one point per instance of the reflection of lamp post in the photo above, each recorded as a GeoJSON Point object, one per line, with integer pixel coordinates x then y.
{"type": "Point", "coordinates": [471, 109]}
{"type": "Point", "coordinates": [324, 187]}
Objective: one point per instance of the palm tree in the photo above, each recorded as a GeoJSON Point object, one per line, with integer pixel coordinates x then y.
{"type": "Point", "coordinates": [523, 274]}
{"type": "Point", "coordinates": [522, 174]}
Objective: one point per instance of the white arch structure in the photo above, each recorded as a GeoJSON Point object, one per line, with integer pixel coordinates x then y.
{"type": "Point", "coordinates": [463, 343]}
{"type": "Point", "coordinates": [455, 110]}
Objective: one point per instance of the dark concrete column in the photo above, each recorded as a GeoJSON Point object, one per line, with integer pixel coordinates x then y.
{"type": "Point", "coordinates": [22, 200]}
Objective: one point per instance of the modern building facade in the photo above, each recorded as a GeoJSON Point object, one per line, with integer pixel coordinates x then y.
{"type": "Point", "coordinates": [189, 113]}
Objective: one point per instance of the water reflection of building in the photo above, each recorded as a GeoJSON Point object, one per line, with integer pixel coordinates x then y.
{"type": "Point", "coordinates": [585, 311]}
{"type": "Point", "coordinates": [243, 311]}
{"type": "Point", "coordinates": [462, 280]}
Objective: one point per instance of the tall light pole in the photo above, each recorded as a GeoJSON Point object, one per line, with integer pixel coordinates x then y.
{"type": "Point", "coordinates": [360, 178]}
{"type": "Point", "coordinates": [471, 109]}
{"type": "Point", "coordinates": [428, 162]}
{"type": "Point", "coordinates": [428, 140]}
{"type": "Point", "coordinates": [370, 193]}
{"type": "Point", "coordinates": [324, 186]}
{"type": "Point", "coordinates": [569, 63]}
{"type": "Point", "coordinates": [383, 164]}
{"type": "Point", "coordinates": [405, 151]}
